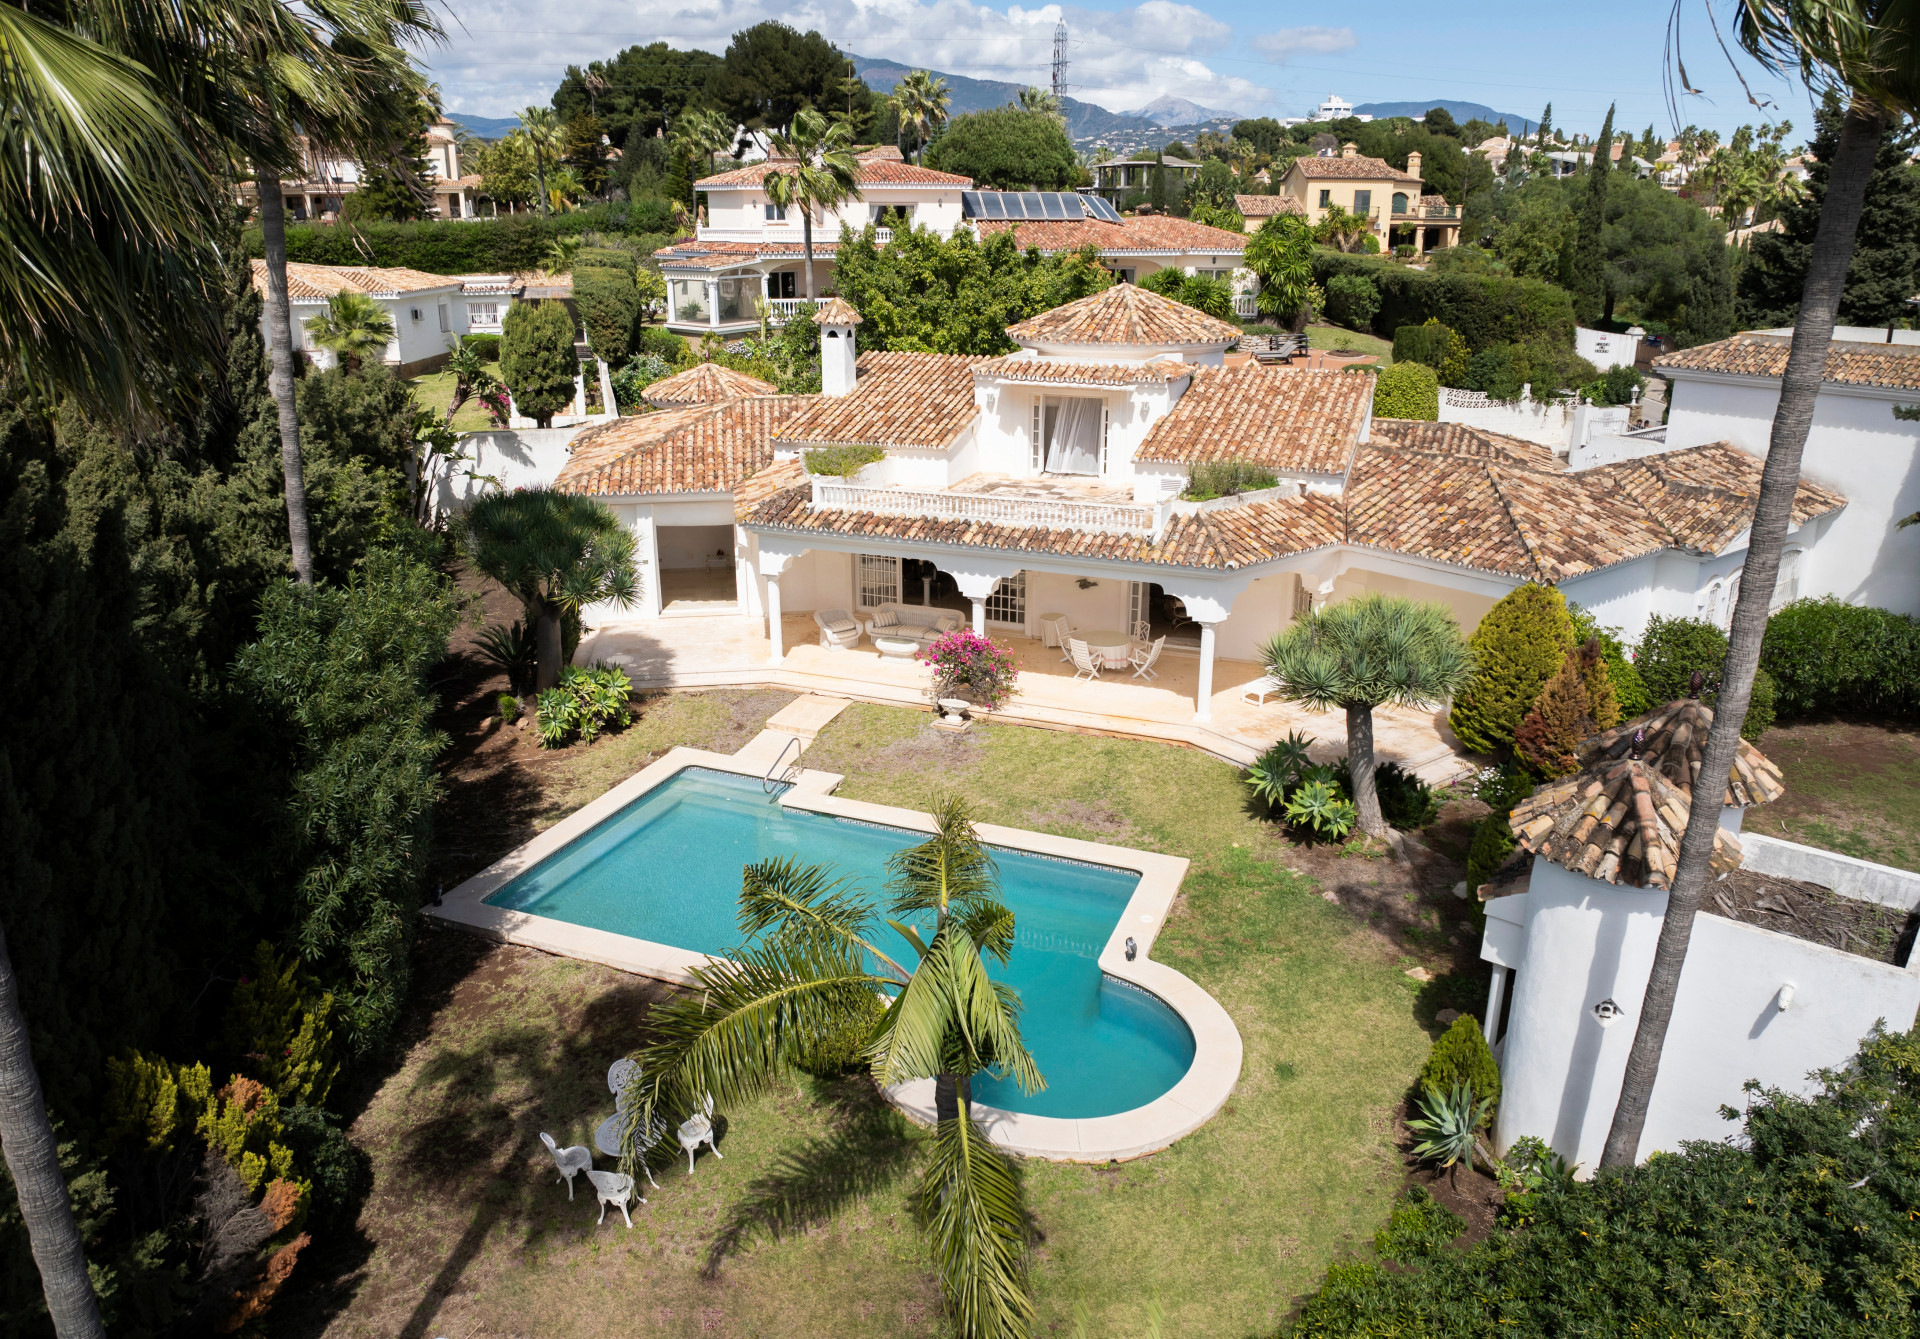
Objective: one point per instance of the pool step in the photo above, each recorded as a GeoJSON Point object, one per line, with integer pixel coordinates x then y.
{"type": "Point", "coordinates": [807, 716]}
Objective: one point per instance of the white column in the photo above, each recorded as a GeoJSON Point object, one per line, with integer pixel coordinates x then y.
{"type": "Point", "coordinates": [773, 620]}
{"type": "Point", "coordinates": [1203, 704]}
{"type": "Point", "coordinates": [979, 616]}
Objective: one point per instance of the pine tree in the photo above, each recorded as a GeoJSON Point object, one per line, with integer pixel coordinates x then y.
{"type": "Point", "coordinates": [1518, 646]}
{"type": "Point", "coordinates": [1590, 256]}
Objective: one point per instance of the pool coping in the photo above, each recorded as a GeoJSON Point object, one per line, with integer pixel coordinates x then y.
{"type": "Point", "coordinates": [1189, 1104]}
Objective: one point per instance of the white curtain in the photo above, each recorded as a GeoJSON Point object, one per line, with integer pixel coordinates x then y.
{"type": "Point", "coordinates": [1074, 445]}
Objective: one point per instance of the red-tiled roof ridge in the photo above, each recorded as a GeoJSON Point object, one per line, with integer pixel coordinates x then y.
{"type": "Point", "coordinates": [900, 399]}
{"type": "Point", "coordinates": [705, 448]}
{"type": "Point", "coordinates": [1619, 821]}
{"type": "Point", "coordinates": [1293, 420]}
{"type": "Point", "coordinates": [1124, 315]}
{"type": "Point", "coordinates": [1849, 363]}
{"type": "Point", "coordinates": [705, 383]}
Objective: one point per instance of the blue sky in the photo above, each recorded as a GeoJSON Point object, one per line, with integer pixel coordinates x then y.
{"type": "Point", "coordinates": [1230, 54]}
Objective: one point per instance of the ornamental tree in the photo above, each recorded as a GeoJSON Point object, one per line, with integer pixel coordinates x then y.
{"type": "Point", "coordinates": [537, 360]}
{"type": "Point", "coordinates": [1517, 647]}
{"type": "Point", "coordinates": [1366, 651]}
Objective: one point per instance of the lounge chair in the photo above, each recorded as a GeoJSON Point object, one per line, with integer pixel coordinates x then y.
{"type": "Point", "coordinates": [1143, 657]}
{"type": "Point", "coordinates": [1086, 665]}
{"type": "Point", "coordinates": [1260, 690]}
{"type": "Point", "coordinates": [839, 630]}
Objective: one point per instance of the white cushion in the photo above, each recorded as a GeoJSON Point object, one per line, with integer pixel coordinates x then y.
{"type": "Point", "coordinates": [885, 618]}
{"type": "Point", "coordinates": [841, 624]}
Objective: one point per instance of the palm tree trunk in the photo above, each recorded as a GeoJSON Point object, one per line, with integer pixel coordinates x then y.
{"type": "Point", "coordinates": [1366, 797]}
{"type": "Point", "coordinates": [273, 229]}
{"type": "Point", "coordinates": [806, 235]}
{"type": "Point", "coordinates": [540, 171]}
{"type": "Point", "coordinates": [1860, 136]}
{"type": "Point", "coordinates": [547, 646]}
{"type": "Point", "coordinates": [33, 1159]}
{"type": "Point", "coordinates": [952, 1097]}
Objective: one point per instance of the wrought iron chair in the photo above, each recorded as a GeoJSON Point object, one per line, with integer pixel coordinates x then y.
{"type": "Point", "coordinates": [696, 1130]}
{"type": "Point", "coordinates": [570, 1161]}
{"type": "Point", "coordinates": [617, 1189]}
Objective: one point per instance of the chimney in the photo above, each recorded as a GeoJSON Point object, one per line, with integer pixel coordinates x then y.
{"type": "Point", "coordinates": [1413, 164]}
{"type": "Point", "coordinates": [836, 319]}
{"type": "Point", "coordinates": [1349, 150]}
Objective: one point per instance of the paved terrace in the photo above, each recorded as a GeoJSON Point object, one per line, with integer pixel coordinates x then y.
{"type": "Point", "coordinates": [732, 650]}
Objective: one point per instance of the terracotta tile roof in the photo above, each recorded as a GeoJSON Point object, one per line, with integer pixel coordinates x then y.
{"type": "Point", "coordinates": [700, 449]}
{"type": "Point", "coordinates": [1896, 366]}
{"type": "Point", "coordinates": [836, 311]}
{"type": "Point", "coordinates": [1053, 370]}
{"type": "Point", "coordinates": [1457, 439]}
{"type": "Point", "coordinates": [704, 384]}
{"type": "Point", "coordinates": [1357, 168]}
{"type": "Point", "coordinates": [882, 153]}
{"type": "Point", "coordinates": [1619, 822]}
{"type": "Point", "coordinates": [688, 254]}
{"type": "Point", "coordinates": [1266, 206]}
{"type": "Point", "coordinates": [1704, 496]}
{"type": "Point", "coordinates": [1287, 419]}
{"type": "Point", "coordinates": [1124, 315]}
{"type": "Point", "coordinates": [1152, 235]}
{"type": "Point", "coordinates": [757, 488]}
{"type": "Point", "coordinates": [899, 399]}
{"type": "Point", "coordinates": [875, 169]}
{"type": "Point", "coordinates": [323, 281]}
{"type": "Point", "coordinates": [1228, 538]}
{"type": "Point", "coordinates": [1674, 738]}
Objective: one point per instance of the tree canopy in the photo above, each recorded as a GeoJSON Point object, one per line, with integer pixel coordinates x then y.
{"type": "Point", "coordinates": [643, 89]}
{"type": "Point", "coordinates": [1007, 149]}
{"type": "Point", "coordinates": [771, 71]}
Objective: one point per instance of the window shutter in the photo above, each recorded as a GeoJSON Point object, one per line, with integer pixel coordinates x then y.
{"type": "Point", "coordinates": [1037, 446]}
{"type": "Point", "coordinates": [1106, 420]}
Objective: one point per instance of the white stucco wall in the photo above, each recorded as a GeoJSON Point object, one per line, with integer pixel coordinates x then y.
{"type": "Point", "coordinates": [1584, 941]}
{"type": "Point", "coordinates": [1548, 423]}
{"type": "Point", "coordinates": [1605, 349]}
{"type": "Point", "coordinates": [1858, 449]}
{"type": "Point", "coordinates": [516, 458]}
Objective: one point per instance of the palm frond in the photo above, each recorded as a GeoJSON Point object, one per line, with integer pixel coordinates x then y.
{"type": "Point", "coordinates": [989, 924]}
{"type": "Point", "coordinates": [950, 866]}
{"type": "Point", "coordinates": [951, 1016]}
{"type": "Point", "coordinates": [970, 1203]}
{"type": "Point", "coordinates": [803, 906]}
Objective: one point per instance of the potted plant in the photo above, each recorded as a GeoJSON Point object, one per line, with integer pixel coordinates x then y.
{"type": "Point", "coordinates": [967, 665]}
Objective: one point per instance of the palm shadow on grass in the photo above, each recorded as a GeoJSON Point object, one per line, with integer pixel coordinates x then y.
{"type": "Point", "coordinates": [866, 1151]}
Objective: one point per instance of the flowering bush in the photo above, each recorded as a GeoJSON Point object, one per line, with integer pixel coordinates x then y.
{"type": "Point", "coordinates": [498, 405]}
{"type": "Point", "coordinates": [967, 660]}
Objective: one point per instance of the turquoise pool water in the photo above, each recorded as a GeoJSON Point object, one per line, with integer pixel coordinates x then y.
{"type": "Point", "coordinates": [667, 869]}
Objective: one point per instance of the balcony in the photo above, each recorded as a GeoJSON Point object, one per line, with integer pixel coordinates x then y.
{"type": "Point", "coordinates": [784, 234]}
{"type": "Point", "coordinates": [782, 310]}
{"type": "Point", "coordinates": [1420, 213]}
{"type": "Point", "coordinates": [1020, 504]}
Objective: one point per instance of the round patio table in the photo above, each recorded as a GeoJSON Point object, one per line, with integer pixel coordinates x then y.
{"type": "Point", "coordinates": [1112, 648]}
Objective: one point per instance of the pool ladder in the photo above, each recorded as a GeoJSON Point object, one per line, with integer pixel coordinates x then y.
{"type": "Point", "coordinates": [771, 780]}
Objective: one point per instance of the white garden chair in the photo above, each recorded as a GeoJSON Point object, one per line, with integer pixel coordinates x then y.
{"type": "Point", "coordinates": [619, 1074]}
{"type": "Point", "coordinates": [617, 1189]}
{"type": "Point", "coordinates": [696, 1130]}
{"type": "Point", "coordinates": [1143, 657]}
{"type": "Point", "coordinates": [1142, 631]}
{"type": "Point", "coordinates": [570, 1161]}
{"type": "Point", "coordinates": [1086, 665]}
{"type": "Point", "coordinates": [838, 629]}
{"type": "Point", "coordinates": [1260, 690]}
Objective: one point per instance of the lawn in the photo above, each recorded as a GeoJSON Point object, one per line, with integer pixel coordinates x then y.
{"type": "Point", "coordinates": [1321, 336]}
{"type": "Point", "coordinates": [435, 391]}
{"type": "Point", "coordinates": [1852, 788]}
{"type": "Point", "coordinates": [803, 1227]}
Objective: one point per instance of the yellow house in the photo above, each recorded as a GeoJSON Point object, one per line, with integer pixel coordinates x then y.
{"type": "Point", "coordinates": [1373, 190]}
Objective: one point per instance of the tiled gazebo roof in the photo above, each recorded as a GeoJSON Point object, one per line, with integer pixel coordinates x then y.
{"type": "Point", "coordinates": [1675, 736]}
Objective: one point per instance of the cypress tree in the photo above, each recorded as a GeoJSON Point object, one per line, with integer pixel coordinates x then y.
{"type": "Point", "coordinates": [1158, 198]}
{"type": "Point", "coordinates": [1590, 256]}
{"type": "Point", "coordinates": [1518, 646]}
{"type": "Point", "coordinates": [1546, 125]}
{"type": "Point", "coordinates": [537, 360]}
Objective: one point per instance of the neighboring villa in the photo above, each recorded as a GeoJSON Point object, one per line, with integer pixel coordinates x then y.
{"type": "Point", "coordinates": [1047, 482]}
{"type": "Point", "coordinates": [750, 249]}
{"type": "Point", "coordinates": [427, 310]}
{"type": "Point", "coordinates": [1115, 180]}
{"type": "Point", "coordinates": [1257, 209]}
{"type": "Point", "coordinates": [1383, 195]}
{"type": "Point", "coordinates": [325, 181]}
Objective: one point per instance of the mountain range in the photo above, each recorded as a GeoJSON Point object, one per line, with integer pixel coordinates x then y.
{"type": "Point", "coordinates": [483, 127]}
{"type": "Point", "coordinates": [1461, 111]}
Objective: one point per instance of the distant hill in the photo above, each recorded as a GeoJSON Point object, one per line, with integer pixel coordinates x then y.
{"type": "Point", "coordinates": [1462, 112]}
{"type": "Point", "coordinates": [484, 127]}
{"type": "Point", "coordinates": [1172, 111]}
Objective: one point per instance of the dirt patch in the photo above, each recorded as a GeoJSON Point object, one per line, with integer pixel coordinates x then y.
{"type": "Point", "coordinates": [1811, 912]}
{"type": "Point", "coordinates": [1097, 817]}
{"type": "Point", "coordinates": [1469, 1192]}
{"type": "Point", "coordinates": [929, 751]}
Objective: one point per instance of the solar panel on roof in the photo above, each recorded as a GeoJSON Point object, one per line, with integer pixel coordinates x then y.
{"type": "Point", "coordinates": [1101, 208]}
{"type": "Point", "coordinates": [1030, 201]}
{"type": "Point", "coordinates": [1056, 206]}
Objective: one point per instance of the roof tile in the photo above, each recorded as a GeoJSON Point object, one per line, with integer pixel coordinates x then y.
{"type": "Point", "coordinates": [1896, 366]}
{"type": "Point", "coordinates": [323, 281]}
{"type": "Point", "coordinates": [1357, 168]}
{"type": "Point", "coordinates": [1131, 236]}
{"type": "Point", "coordinates": [705, 383]}
{"type": "Point", "coordinates": [908, 400]}
{"type": "Point", "coordinates": [707, 448]}
{"type": "Point", "coordinates": [1671, 740]}
{"type": "Point", "coordinates": [1287, 419]}
{"type": "Point", "coordinates": [1053, 371]}
{"type": "Point", "coordinates": [875, 169]}
{"type": "Point", "coordinates": [1124, 315]}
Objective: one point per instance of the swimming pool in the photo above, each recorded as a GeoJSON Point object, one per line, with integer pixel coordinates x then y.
{"type": "Point", "coordinates": [665, 868]}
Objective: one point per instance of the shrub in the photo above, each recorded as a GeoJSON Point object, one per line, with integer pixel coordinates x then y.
{"type": "Point", "coordinates": [1199, 291]}
{"type": "Point", "coordinates": [509, 706]}
{"type": "Point", "coordinates": [537, 360]}
{"type": "Point", "coordinates": [279, 1021]}
{"type": "Point", "coordinates": [1406, 802]}
{"type": "Point", "coordinates": [966, 660]}
{"type": "Point", "coordinates": [1352, 299]}
{"type": "Point", "coordinates": [1461, 1056]}
{"type": "Point", "coordinates": [1615, 386]}
{"type": "Point", "coordinates": [1826, 656]}
{"type": "Point", "coordinates": [584, 702]}
{"type": "Point", "coordinates": [1321, 808]}
{"type": "Point", "coordinates": [1628, 689]}
{"type": "Point", "coordinates": [1450, 1120]}
{"type": "Point", "coordinates": [1407, 390]}
{"type": "Point", "coordinates": [1491, 372]}
{"type": "Point", "coordinates": [662, 343]}
{"type": "Point", "coordinates": [1493, 842]}
{"type": "Point", "coordinates": [608, 302]}
{"type": "Point", "coordinates": [1517, 647]}
{"type": "Point", "coordinates": [1226, 478]}
{"type": "Point", "coordinates": [1485, 309]}
{"type": "Point", "coordinates": [1405, 251]}
{"type": "Point", "coordinates": [486, 345]}
{"type": "Point", "coordinates": [1577, 701]}
{"type": "Point", "coordinates": [1672, 649]}
{"type": "Point", "coordinates": [631, 381]}
{"type": "Point", "coordinates": [510, 648]}
{"type": "Point", "coordinates": [1418, 1227]}
{"type": "Point", "coordinates": [839, 462]}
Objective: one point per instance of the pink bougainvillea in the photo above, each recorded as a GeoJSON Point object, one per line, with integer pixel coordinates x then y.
{"type": "Point", "coordinates": [967, 660]}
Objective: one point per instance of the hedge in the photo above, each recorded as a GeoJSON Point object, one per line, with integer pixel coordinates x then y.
{"type": "Point", "coordinates": [1407, 390]}
{"type": "Point", "coordinates": [1671, 649]}
{"type": "Point", "coordinates": [1826, 656]}
{"type": "Point", "coordinates": [503, 245]}
{"type": "Point", "coordinates": [1484, 308]}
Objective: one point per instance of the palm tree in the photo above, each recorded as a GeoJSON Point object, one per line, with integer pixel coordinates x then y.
{"type": "Point", "coordinates": [560, 253]}
{"type": "Point", "coordinates": [700, 134]}
{"type": "Point", "coordinates": [353, 328]}
{"type": "Point", "coordinates": [541, 131]}
{"type": "Point", "coordinates": [564, 187]}
{"type": "Point", "coordinates": [1041, 101]}
{"type": "Point", "coordinates": [815, 976]}
{"type": "Point", "coordinates": [1366, 651]}
{"type": "Point", "coordinates": [556, 553]}
{"type": "Point", "coordinates": [819, 172]}
{"type": "Point", "coordinates": [1870, 51]}
{"type": "Point", "coordinates": [921, 102]}
{"type": "Point", "coordinates": [1281, 253]}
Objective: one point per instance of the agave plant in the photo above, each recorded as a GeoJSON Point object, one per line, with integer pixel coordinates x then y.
{"type": "Point", "coordinates": [1320, 806]}
{"type": "Point", "coordinates": [1276, 772]}
{"type": "Point", "coordinates": [510, 648]}
{"type": "Point", "coordinates": [815, 974]}
{"type": "Point", "coordinates": [1451, 1122]}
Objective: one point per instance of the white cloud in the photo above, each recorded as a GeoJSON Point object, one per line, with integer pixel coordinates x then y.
{"type": "Point", "coordinates": [502, 55]}
{"type": "Point", "coordinates": [1291, 41]}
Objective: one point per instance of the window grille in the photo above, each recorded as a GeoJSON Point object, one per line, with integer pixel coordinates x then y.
{"type": "Point", "coordinates": [878, 579]}
{"type": "Point", "coordinates": [1008, 603]}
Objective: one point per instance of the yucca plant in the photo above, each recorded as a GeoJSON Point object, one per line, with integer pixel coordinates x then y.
{"type": "Point", "coordinates": [813, 973]}
{"type": "Point", "coordinates": [509, 648]}
{"type": "Point", "coordinates": [1451, 1122]}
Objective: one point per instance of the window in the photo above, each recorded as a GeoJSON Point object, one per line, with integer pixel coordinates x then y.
{"type": "Point", "coordinates": [776, 213]}
{"type": "Point", "coordinates": [1075, 432]}
{"type": "Point", "coordinates": [877, 579]}
{"type": "Point", "coordinates": [1362, 201]}
{"type": "Point", "coordinates": [1786, 587]}
{"type": "Point", "coordinates": [446, 320]}
{"type": "Point", "coordinates": [1717, 601]}
{"type": "Point", "coordinates": [736, 298]}
{"type": "Point", "coordinates": [483, 313]}
{"type": "Point", "coordinates": [1399, 202]}
{"type": "Point", "coordinates": [1302, 598]}
{"type": "Point", "coordinates": [690, 300]}
{"type": "Point", "coordinates": [1037, 436]}
{"type": "Point", "coordinates": [1008, 603]}
{"type": "Point", "coordinates": [1326, 198]}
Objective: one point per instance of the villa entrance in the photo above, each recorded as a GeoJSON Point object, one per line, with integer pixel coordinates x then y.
{"type": "Point", "coordinates": [696, 569]}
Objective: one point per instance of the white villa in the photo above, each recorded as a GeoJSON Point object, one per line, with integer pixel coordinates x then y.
{"type": "Point", "coordinates": [427, 310]}
{"type": "Point", "coordinates": [1047, 481]}
{"type": "Point", "coordinates": [750, 249]}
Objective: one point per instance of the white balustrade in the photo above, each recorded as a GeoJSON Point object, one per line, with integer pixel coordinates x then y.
{"type": "Point", "coordinates": [1246, 305]}
{"type": "Point", "coordinates": [785, 309]}
{"type": "Point", "coordinates": [1111, 518]}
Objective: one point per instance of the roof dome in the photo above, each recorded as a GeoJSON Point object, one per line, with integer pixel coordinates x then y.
{"type": "Point", "coordinates": [1124, 316]}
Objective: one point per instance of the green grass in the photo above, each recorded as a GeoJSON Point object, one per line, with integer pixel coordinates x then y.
{"type": "Point", "coordinates": [435, 391]}
{"type": "Point", "coordinates": [1220, 1231]}
{"type": "Point", "coordinates": [1339, 337]}
{"type": "Point", "coordinates": [1851, 788]}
